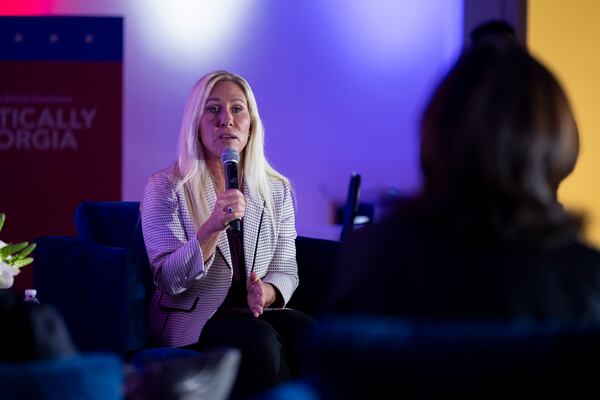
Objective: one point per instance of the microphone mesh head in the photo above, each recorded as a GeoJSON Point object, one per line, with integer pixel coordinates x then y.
{"type": "Point", "coordinates": [230, 155]}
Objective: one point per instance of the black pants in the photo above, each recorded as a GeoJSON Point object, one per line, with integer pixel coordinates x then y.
{"type": "Point", "coordinates": [270, 345]}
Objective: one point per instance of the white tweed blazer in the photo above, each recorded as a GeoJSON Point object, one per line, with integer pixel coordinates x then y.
{"type": "Point", "coordinates": [190, 287]}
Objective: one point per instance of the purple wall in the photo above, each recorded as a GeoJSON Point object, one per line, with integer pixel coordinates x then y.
{"type": "Point", "coordinates": [340, 85]}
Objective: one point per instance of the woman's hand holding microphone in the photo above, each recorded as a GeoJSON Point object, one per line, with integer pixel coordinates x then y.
{"type": "Point", "coordinates": [230, 205]}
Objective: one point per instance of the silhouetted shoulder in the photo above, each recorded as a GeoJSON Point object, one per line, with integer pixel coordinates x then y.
{"type": "Point", "coordinates": [418, 270]}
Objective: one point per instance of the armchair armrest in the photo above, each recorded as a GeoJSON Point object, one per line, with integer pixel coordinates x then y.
{"type": "Point", "coordinates": [99, 290]}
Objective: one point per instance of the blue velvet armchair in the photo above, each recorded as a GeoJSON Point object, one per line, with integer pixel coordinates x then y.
{"type": "Point", "coordinates": [101, 283]}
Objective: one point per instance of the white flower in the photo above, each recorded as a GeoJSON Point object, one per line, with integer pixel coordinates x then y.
{"type": "Point", "coordinates": [7, 274]}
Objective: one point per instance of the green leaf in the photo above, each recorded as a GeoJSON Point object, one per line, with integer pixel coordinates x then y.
{"type": "Point", "coordinates": [21, 263]}
{"type": "Point", "coordinates": [25, 252]}
{"type": "Point", "coordinates": [2, 219]}
{"type": "Point", "coordinates": [12, 249]}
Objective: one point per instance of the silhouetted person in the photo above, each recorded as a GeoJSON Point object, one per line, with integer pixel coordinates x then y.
{"type": "Point", "coordinates": [486, 237]}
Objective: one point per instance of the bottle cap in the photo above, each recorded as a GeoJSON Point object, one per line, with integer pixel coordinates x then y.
{"type": "Point", "coordinates": [30, 292]}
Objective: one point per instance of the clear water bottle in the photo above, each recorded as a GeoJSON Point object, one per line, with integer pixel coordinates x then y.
{"type": "Point", "coordinates": [31, 296]}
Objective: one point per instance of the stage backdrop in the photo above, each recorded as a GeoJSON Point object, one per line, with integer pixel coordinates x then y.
{"type": "Point", "coordinates": [564, 35]}
{"type": "Point", "coordinates": [60, 122]}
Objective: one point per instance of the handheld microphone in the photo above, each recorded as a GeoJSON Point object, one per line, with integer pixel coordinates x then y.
{"type": "Point", "coordinates": [230, 159]}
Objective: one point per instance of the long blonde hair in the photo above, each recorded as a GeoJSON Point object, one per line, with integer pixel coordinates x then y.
{"type": "Point", "coordinates": [254, 167]}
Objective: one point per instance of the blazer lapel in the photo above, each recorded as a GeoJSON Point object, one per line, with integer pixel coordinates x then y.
{"type": "Point", "coordinates": [223, 242]}
{"type": "Point", "coordinates": [252, 222]}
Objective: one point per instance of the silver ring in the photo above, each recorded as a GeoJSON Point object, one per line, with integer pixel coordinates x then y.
{"type": "Point", "coordinates": [229, 210]}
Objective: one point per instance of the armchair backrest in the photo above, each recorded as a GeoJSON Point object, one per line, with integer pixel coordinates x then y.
{"type": "Point", "coordinates": [112, 223]}
{"type": "Point", "coordinates": [115, 224]}
{"type": "Point", "coordinates": [316, 261]}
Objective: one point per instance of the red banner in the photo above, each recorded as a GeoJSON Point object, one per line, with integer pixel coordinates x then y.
{"type": "Point", "coordinates": [60, 123]}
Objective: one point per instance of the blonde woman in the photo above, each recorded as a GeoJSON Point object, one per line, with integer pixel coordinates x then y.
{"type": "Point", "coordinates": [216, 286]}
